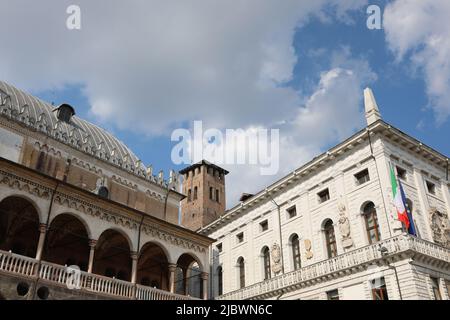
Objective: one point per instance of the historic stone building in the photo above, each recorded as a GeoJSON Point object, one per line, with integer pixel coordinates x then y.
{"type": "Point", "coordinates": [71, 194]}
{"type": "Point", "coordinates": [329, 230]}
{"type": "Point", "coordinates": [204, 185]}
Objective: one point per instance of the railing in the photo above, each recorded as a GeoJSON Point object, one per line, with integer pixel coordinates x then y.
{"type": "Point", "coordinates": [354, 258]}
{"type": "Point", "coordinates": [61, 275]}
{"type": "Point", "coordinates": [14, 263]}
{"type": "Point", "coordinates": [147, 293]}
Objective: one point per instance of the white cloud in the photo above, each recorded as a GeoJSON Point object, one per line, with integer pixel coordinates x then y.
{"type": "Point", "coordinates": [420, 31]}
{"type": "Point", "coordinates": [151, 66]}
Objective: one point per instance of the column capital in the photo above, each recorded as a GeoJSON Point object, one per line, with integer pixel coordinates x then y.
{"type": "Point", "coordinates": [204, 275]}
{"type": "Point", "coordinates": [92, 243]}
{"type": "Point", "coordinates": [42, 227]}
{"type": "Point", "coordinates": [172, 267]}
{"type": "Point", "coordinates": [134, 255]}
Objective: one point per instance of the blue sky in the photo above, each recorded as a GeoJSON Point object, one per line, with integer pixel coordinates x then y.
{"type": "Point", "coordinates": [148, 72]}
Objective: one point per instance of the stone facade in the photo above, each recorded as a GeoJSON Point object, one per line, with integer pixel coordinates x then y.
{"type": "Point", "coordinates": [337, 214]}
{"type": "Point", "coordinates": [204, 185]}
{"type": "Point", "coordinates": [72, 195]}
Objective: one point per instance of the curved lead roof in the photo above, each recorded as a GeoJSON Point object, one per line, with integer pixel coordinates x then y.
{"type": "Point", "coordinates": [78, 133]}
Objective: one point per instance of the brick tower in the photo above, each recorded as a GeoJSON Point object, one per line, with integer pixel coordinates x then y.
{"type": "Point", "coordinates": [204, 187]}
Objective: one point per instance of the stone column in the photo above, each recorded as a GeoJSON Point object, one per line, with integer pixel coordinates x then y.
{"type": "Point", "coordinates": [42, 234]}
{"type": "Point", "coordinates": [92, 244]}
{"type": "Point", "coordinates": [204, 277]}
{"type": "Point", "coordinates": [134, 258]}
{"type": "Point", "coordinates": [172, 269]}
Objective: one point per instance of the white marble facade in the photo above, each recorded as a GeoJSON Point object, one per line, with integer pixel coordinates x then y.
{"type": "Point", "coordinates": [396, 259]}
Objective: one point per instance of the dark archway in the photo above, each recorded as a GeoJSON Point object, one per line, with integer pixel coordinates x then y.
{"type": "Point", "coordinates": [153, 267]}
{"type": "Point", "coordinates": [67, 242]}
{"type": "Point", "coordinates": [188, 280]}
{"type": "Point", "coordinates": [113, 256]}
{"type": "Point", "coordinates": [19, 226]}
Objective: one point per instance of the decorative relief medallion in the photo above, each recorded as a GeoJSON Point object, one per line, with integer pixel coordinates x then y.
{"type": "Point", "coordinates": [440, 226]}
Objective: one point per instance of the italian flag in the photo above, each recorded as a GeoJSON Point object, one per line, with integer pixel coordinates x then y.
{"type": "Point", "coordinates": [398, 201]}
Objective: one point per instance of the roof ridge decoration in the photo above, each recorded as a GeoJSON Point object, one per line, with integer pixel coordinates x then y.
{"type": "Point", "coordinates": [77, 133]}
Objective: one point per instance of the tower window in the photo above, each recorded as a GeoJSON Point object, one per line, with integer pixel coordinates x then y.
{"type": "Point", "coordinates": [211, 193]}
{"type": "Point", "coordinates": [324, 195]}
{"type": "Point", "coordinates": [362, 177]}
{"type": "Point", "coordinates": [195, 193]}
{"type": "Point", "coordinates": [189, 195]}
{"type": "Point", "coordinates": [217, 195]}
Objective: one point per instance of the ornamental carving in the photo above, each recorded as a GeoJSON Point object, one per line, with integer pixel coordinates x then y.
{"type": "Point", "coordinates": [344, 226]}
{"type": "Point", "coordinates": [308, 247]}
{"type": "Point", "coordinates": [276, 258]}
{"type": "Point", "coordinates": [440, 226]}
{"type": "Point", "coordinates": [16, 182]}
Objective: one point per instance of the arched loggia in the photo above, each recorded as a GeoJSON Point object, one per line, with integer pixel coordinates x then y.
{"type": "Point", "coordinates": [67, 242]}
{"type": "Point", "coordinates": [19, 226]}
{"type": "Point", "coordinates": [153, 267]}
{"type": "Point", "coordinates": [113, 256]}
{"type": "Point", "coordinates": [188, 276]}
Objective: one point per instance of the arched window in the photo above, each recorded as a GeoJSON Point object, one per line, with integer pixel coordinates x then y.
{"type": "Point", "coordinates": [330, 239]}
{"type": "Point", "coordinates": [266, 263]}
{"type": "Point", "coordinates": [296, 259]}
{"type": "Point", "coordinates": [371, 220]}
{"type": "Point", "coordinates": [219, 281]}
{"type": "Point", "coordinates": [241, 270]}
{"type": "Point", "coordinates": [195, 193]}
{"type": "Point", "coordinates": [189, 195]}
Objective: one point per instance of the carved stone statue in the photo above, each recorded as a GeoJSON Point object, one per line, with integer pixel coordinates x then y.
{"type": "Point", "coordinates": [276, 258]}
{"type": "Point", "coordinates": [308, 248]}
{"type": "Point", "coordinates": [344, 226]}
{"type": "Point", "coordinates": [440, 226]}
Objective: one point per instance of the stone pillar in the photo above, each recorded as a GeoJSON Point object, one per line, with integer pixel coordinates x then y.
{"type": "Point", "coordinates": [40, 247]}
{"type": "Point", "coordinates": [172, 269]}
{"type": "Point", "coordinates": [92, 244]}
{"type": "Point", "coordinates": [204, 277]}
{"type": "Point", "coordinates": [134, 258]}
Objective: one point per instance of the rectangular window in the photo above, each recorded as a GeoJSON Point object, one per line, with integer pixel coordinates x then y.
{"type": "Point", "coordinates": [264, 226]}
{"type": "Point", "coordinates": [324, 195]}
{"type": "Point", "coordinates": [436, 291]}
{"type": "Point", "coordinates": [379, 290]}
{"type": "Point", "coordinates": [211, 193]}
{"type": "Point", "coordinates": [333, 295]}
{"type": "Point", "coordinates": [362, 177]}
{"type": "Point", "coordinates": [219, 247]}
{"type": "Point", "coordinates": [240, 237]}
{"type": "Point", "coordinates": [431, 187]}
{"type": "Point", "coordinates": [401, 173]}
{"type": "Point", "coordinates": [217, 195]}
{"type": "Point", "coordinates": [292, 212]}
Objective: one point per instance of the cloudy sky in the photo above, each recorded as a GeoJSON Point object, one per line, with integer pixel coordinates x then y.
{"type": "Point", "coordinates": [141, 69]}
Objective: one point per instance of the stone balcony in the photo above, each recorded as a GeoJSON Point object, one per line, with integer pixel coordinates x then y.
{"type": "Point", "coordinates": [398, 248]}
{"type": "Point", "coordinates": [87, 284]}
